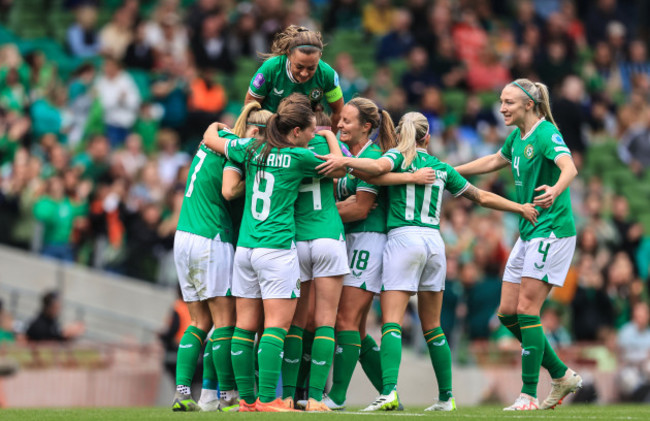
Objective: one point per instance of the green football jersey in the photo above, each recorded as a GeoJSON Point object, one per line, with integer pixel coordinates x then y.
{"type": "Point", "coordinates": [274, 81]}
{"type": "Point", "coordinates": [532, 160]}
{"type": "Point", "coordinates": [204, 211]}
{"type": "Point", "coordinates": [268, 220]}
{"type": "Point", "coordinates": [349, 185]}
{"type": "Point", "coordinates": [420, 205]}
{"type": "Point", "coordinates": [316, 214]}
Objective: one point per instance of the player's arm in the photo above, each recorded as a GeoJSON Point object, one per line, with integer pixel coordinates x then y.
{"type": "Point", "coordinates": [568, 172]}
{"type": "Point", "coordinates": [494, 201]}
{"type": "Point", "coordinates": [337, 107]}
{"type": "Point", "coordinates": [370, 166]}
{"type": "Point", "coordinates": [212, 140]}
{"type": "Point", "coordinates": [250, 97]}
{"type": "Point", "coordinates": [335, 150]}
{"type": "Point", "coordinates": [233, 185]}
{"type": "Point", "coordinates": [421, 176]}
{"type": "Point", "coordinates": [483, 165]}
{"type": "Point", "coordinates": [357, 210]}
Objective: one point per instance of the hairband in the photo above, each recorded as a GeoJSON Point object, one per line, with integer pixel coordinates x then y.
{"type": "Point", "coordinates": [255, 124]}
{"type": "Point", "coordinates": [525, 91]}
{"type": "Point", "coordinates": [307, 45]}
{"type": "Point", "coordinates": [425, 135]}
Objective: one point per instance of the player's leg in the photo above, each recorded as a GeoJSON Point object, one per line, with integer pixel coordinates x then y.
{"type": "Point", "coordinates": [353, 306]}
{"type": "Point", "coordinates": [302, 383]}
{"type": "Point", "coordinates": [223, 316]}
{"type": "Point", "coordinates": [293, 344]}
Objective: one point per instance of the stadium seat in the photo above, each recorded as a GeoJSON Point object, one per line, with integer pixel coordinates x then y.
{"type": "Point", "coordinates": [454, 100]}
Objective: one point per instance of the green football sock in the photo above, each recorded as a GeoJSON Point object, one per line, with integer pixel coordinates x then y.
{"type": "Point", "coordinates": [321, 361]}
{"type": "Point", "coordinates": [243, 363]}
{"type": "Point", "coordinates": [348, 347]}
{"type": "Point", "coordinates": [305, 361]}
{"type": "Point", "coordinates": [370, 360]}
{"type": "Point", "coordinates": [532, 343]}
{"type": "Point", "coordinates": [440, 355]}
{"type": "Point", "coordinates": [291, 361]}
{"type": "Point", "coordinates": [209, 372]}
{"type": "Point", "coordinates": [188, 353]}
{"type": "Point", "coordinates": [391, 355]}
{"type": "Point", "coordinates": [270, 361]}
{"type": "Point", "coordinates": [556, 368]}
{"type": "Point", "coordinates": [221, 347]}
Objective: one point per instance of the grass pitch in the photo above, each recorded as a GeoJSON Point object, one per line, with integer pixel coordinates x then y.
{"type": "Point", "coordinates": [486, 413]}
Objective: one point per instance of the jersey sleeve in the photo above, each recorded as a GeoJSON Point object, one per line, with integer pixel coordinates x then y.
{"type": "Point", "coordinates": [332, 87]}
{"type": "Point", "coordinates": [456, 183]}
{"type": "Point", "coordinates": [554, 147]}
{"type": "Point", "coordinates": [236, 149]}
{"type": "Point", "coordinates": [261, 83]}
{"type": "Point", "coordinates": [506, 149]}
{"type": "Point", "coordinates": [395, 157]}
{"type": "Point", "coordinates": [231, 166]}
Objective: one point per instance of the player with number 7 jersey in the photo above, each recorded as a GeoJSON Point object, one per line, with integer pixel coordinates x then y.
{"type": "Point", "coordinates": [266, 263]}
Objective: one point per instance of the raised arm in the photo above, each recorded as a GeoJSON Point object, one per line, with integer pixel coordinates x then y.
{"type": "Point", "coordinates": [250, 97]}
{"type": "Point", "coordinates": [212, 140]}
{"type": "Point", "coordinates": [568, 172]}
{"type": "Point", "coordinates": [482, 165]}
{"type": "Point", "coordinates": [494, 201]}
{"type": "Point", "coordinates": [335, 150]}
{"type": "Point", "coordinates": [337, 107]}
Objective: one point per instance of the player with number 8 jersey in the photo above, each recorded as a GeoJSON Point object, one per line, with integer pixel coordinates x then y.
{"type": "Point", "coordinates": [266, 264]}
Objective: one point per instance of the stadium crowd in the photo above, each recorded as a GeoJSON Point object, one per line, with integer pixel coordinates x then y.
{"type": "Point", "coordinates": [94, 161]}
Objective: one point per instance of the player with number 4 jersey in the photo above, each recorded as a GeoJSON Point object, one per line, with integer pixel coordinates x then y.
{"type": "Point", "coordinates": [414, 256]}
{"type": "Point", "coordinates": [543, 168]}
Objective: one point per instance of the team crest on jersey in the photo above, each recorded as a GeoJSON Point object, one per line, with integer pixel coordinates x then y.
{"type": "Point", "coordinates": [529, 151]}
{"type": "Point", "coordinates": [316, 94]}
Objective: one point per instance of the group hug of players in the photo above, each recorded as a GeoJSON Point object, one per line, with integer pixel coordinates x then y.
{"type": "Point", "coordinates": [328, 223]}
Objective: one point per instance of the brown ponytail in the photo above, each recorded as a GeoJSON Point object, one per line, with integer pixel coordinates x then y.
{"type": "Point", "coordinates": [296, 37]}
{"type": "Point", "coordinates": [369, 113]}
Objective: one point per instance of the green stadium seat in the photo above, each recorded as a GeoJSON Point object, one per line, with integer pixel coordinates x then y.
{"type": "Point", "coordinates": [489, 98]}
{"type": "Point", "coordinates": [454, 100]}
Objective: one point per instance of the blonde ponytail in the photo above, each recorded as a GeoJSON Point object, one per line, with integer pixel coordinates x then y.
{"type": "Point", "coordinates": [412, 131]}
{"type": "Point", "coordinates": [387, 136]}
{"type": "Point", "coordinates": [538, 93]}
{"type": "Point", "coordinates": [252, 113]}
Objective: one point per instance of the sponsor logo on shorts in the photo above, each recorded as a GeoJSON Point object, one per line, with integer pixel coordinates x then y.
{"type": "Point", "coordinates": [539, 266]}
{"type": "Point", "coordinates": [356, 274]}
{"type": "Point", "coordinates": [259, 80]}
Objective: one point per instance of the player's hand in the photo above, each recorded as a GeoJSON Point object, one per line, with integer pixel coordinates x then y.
{"type": "Point", "coordinates": [332, 164]}
{"type": "Point", "coordinates": [546, 199]}
{"type": "Point", "coordinates": [529, 213]}
{"type": "Point", "coordinates": [325, 133]}
{"type": "Point", "coordinates": [424, 176]}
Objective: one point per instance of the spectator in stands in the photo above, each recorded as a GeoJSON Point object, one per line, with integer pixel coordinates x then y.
{"type": "Point", "coordinates": [487, 73]}
{"type": "Point", "coordinates": [634, 343]}
{"type": "Point", "coordinates": [94, 162]}
{"type": "Point", "coordinates": [116, 35]}
{"type": "Point", "coordinates": [245, 38]}
{"type": "Point", "coordinates": [634, 147]}
{"type": "Point", "coordinates": [432, 107]}
{"type": "Point", "coordinates": [556, 65]}
{"type": "Point", "coordinates": [299, 14]}
{"type": "Point", "coordinates": [399, 41]}
{"type": "Point", "coordinates": [49, 114]}
{"type": "Point", "coordinates": [555, 332]}
{"type": "Point", "coordinates": [80, 100]}
{"type": "Point", "coordinates": [449, 70]}
{"type": "Point", "coordinates": [207, 100]}
{"type": "Point", "coordinates": [43, 74]}
{"type": "Point", "coordinates": [636, 63]}
{"type": "Point", "coordinates": [469, 37]}
{"type": "Point", "coordinates": [47, 326]}
{"type": "Point", "coordinates": [167, 35]}
{"type": "Point", "coordinates": [417, 77]}
{"type": "Point", "coordinates": [131, 158]}
{"type": "Point", "coordinates": [378, 17]}
{"type": "Point", "coordinates": [598, 18]}
{"type": "Point", "coordinates": [342, 15]}
{"type": "Point", "coordinates": [351, 81]}
{"type": "Point", "coordinates": [198, 11]}
{"type": "Point", "coordinates": [570, 117]}
{"type": "Point", "coordinates": [120, 100]}
{"type": "Point", "coordinates": [139, 54]}
{"type": "Point", "coordinates": [630, 231]}
{"type": "Point", "coordinates": [144, 242]}
{"type": "Point", "coordinates": [170, 159]}
{"type": "Point", "coordinates": [82, 36]}
{"type": "Point", "coordinates": [170, 89]}
{"type": "Point", "coordinates": [602, 74]}
{"type": "Point", "coordinates": [525, 16]}
{"type": "Point", "coordinates": [210, 44]}
{"type": "Point", "coordinates": [591, 309]}
{"type": "Point", "coordinates": [622, 288]}
{"type": "Point", "coordinates": [58, 215]}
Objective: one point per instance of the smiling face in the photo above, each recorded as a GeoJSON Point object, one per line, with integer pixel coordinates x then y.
{"type": "Point", "coordinates": [351, 130]}
{"type": "Point", "coordinates": [303, 66]}
{"type": "Point", "coordinates": [514, 105]}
